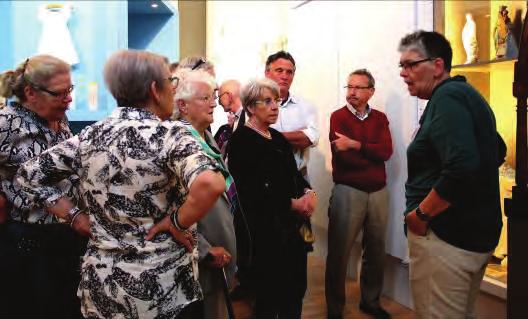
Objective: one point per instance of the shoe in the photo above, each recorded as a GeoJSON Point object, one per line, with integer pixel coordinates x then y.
{"type": "Point", "coordinates": [376, 312]}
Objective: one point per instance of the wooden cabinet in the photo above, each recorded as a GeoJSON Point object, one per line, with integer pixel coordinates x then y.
{"type": "Point", "coordinates": [492, 75]}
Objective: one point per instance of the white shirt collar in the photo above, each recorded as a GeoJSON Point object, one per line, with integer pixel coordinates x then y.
{"type": "Point", "coordinates": [360, 116]}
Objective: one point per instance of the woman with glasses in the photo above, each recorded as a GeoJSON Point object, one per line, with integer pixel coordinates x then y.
{"type": "Point", "coordinates": [40, 252]}
{"type": "Point", "coordinates": [277, 201]}
{"type": "Point", "coordinates": [196, 100]}
{"type": "Point", "coordinates": [146, 182]}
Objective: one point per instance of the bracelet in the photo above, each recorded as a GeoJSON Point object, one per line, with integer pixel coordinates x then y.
{"type": "Point", "coordinates": [75, 217]}
{"type": "Point", "coordinates": [177, 225]}
{"type": "Point", "coordinates": [73, 213]}
{"type": "Point", "coordinates": [310, 191]}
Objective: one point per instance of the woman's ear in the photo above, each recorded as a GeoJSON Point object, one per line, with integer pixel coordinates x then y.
{"type": "Point", "coordinates": [182, 106]}
{"type": "Point", "coordinates": [249, 110]}
{"type": "Point", "coordinates": [30, 94]}
{"type": "Point", "coordinates": [154, 92]}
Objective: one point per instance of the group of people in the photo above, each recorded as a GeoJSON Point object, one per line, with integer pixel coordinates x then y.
{"type": "Point", "coordinates": [164, 214]}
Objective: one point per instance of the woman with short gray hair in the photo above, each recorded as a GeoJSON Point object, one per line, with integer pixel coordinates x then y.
{"type": "Point", "coordinates": [277, 200]}
{"type": "Point", "coordinates": [147, 182]}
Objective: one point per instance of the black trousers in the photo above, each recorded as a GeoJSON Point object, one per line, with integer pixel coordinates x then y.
{"type": "Point", "coordinates": [40, 271]}
{"type": "Point", "coordinates": [281, 285]}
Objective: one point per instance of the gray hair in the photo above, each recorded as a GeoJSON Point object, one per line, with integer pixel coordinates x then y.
{"type": "Point", "coordinates": [253, 90]}
{"type": "Point", "coordinates": [37, 70]}
{"type": "Point", "coordinates": [187, 86]}
{"type": "Point", "coordinates": [128, 75]}
{"type": "Point", "coordinates": [364, 72]}
{"type": "Point", "coordinates": [196, 63]}
{"type": "Point", "coordinates": [429, 44]}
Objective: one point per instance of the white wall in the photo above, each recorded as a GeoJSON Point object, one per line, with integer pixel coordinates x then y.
{"type": "Point", "coordinates": [328, 40]}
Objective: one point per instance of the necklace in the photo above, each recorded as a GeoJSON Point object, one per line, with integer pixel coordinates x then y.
{"type": "Point", "coordinates": [262, 133]}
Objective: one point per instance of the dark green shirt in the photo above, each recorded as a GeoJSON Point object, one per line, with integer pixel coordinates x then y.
{"type": "Point", "coordinates": [456, 152]}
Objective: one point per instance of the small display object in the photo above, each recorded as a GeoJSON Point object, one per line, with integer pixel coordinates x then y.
{"type": "Point", "coordinates": [469, 39]}
{"type": "Point", "coordinates": [505, 44]}
{"type": "Point", "coordinates": [56, 39]}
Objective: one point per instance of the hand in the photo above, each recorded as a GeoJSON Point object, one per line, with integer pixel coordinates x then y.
{"type": "Point", "coordinates": [305, 205]}
{"type": "Point", "coordinates": [165, 225]}
{"type": "Point", "coordinates": [220, 257]}
{"type": "Point", "coordinates": [61, 208]}
{"type": "Point", "coordinates": [344, 143]}
{"type": "Point", "coordinates": [81, 224]}
{"type": "Point", "coordinates": [415, 224]}
{"type": "Point", "coordinates": [4, 211]}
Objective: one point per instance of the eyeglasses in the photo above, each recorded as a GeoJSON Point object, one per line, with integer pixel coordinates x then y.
{"type": "Point", "coordinates": [174, 80]}
{"type": "Point", "coordinates": [409, 65]}
{"type": "Point", "coordinates": [351, 87]}
{"type": "Point", "coordinates": [198, 64]}
{"type": "Point", "coordinates": [61, 94]}
{"type": "Point", "coordinates": [268, 102]}
{"type": "Point", "coordinates": [209, 98]}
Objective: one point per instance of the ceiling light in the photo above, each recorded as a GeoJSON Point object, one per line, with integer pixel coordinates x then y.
{"type": "Point", "coordinates": [154, 5]}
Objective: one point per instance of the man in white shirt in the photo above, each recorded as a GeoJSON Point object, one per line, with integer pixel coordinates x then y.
{"type": "Point", "coordinates": [297, 118]}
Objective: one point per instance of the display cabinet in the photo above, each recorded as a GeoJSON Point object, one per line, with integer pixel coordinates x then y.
{"type": "Point", "coordinates": [485, 36]}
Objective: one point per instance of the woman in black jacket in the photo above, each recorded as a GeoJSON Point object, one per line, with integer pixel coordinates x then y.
{"type": "Point", "coordinates": [277, 201]}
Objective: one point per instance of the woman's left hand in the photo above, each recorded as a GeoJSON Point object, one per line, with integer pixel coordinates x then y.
{"type": "Point", "coordinates": [165, 225]}
{"type": "Point", "coordinates": [305, 205]}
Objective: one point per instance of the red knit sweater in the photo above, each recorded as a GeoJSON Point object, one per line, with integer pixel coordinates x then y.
{"type": "Point", "coordinates": [363, 169]}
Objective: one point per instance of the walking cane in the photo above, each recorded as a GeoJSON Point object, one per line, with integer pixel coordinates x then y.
{"type": "Point", "coordinates": [229, 305]}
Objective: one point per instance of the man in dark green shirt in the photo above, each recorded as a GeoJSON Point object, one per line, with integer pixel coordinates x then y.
{"type": "Point", "coordinates": [453, 212]}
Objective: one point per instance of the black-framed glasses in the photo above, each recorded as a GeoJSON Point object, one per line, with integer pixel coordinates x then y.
{"type": "Point", "coordinates": [61, 94]}
{"type": "Point", "coordinates": [409, 65]}
{"type": "Point", "coordinates": [352, 87]}
{"type": "Point", "coordinates": [198, 64]}
{"type": "Point", "coordinates": [174, 80]}
{"type": "Point", "coordinates": [268, 102]}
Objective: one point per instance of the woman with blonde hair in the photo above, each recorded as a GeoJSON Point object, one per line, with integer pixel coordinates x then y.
{"type": "Point", "coordinates": [39, 251]}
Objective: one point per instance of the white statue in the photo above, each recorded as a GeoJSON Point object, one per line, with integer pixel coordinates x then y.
{"type": "Point", "coordinates": [56, 39]}
{"type": "Point", "coordinates": [469, 39]}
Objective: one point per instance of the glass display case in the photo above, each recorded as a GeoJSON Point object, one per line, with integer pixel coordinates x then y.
{"type": "Point", "coordinates": [484, 36]}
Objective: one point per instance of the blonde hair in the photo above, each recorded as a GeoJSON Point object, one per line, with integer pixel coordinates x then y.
{"type": "Point", "coordinates": [37, 70]}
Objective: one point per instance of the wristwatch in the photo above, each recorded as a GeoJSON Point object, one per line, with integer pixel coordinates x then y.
{"type": "Point", "coordinates": [422, 216]}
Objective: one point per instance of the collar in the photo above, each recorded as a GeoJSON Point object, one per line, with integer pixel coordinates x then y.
{"type": "Point", "coordinates": [291, 99]}
{"type": "Point", "coordinates": [239, 112]}
{"type": "Point", "coordinates": [360, 116]}
{"type": "Point", "coordinates": [21, 109]}
{"type": "Point", "coordinates": [456, 78]}
{"type": "Point", "coordinates": [133, 113]}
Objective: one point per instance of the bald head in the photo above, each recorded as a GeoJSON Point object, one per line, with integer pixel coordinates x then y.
{"type": "Point", "coordinates": [229, 95]}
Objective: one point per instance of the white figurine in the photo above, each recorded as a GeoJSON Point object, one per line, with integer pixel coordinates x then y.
{"type": "Point", "coordinates": [469, 39]}
{"type": "Point", "coordinates": [56, 39]}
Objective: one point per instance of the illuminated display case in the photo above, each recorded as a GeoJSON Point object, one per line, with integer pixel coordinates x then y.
{"type": "Point", "coordinates": [484, 36]}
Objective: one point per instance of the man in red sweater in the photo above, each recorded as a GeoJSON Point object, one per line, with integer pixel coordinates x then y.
{"type": "Point", "coordinates": [361, 143]}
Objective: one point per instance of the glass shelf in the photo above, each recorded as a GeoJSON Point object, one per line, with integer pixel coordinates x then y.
{"type": "Point", "coordinates": [485, 66]}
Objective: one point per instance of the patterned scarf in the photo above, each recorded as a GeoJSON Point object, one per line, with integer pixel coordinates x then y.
{"type": "Point", "coordinates": [217, 156]}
